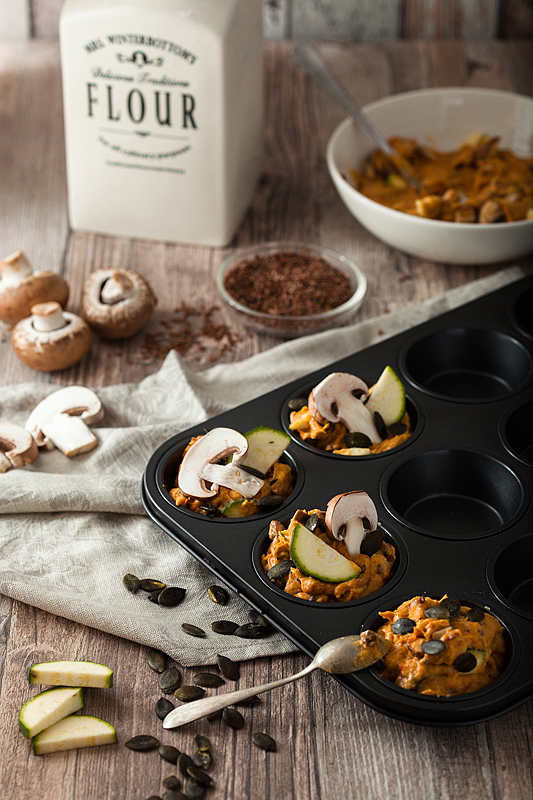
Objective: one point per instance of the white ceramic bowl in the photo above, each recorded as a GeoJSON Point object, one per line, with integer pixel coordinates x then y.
{"type": "Point", "coordinates": [442, 118]}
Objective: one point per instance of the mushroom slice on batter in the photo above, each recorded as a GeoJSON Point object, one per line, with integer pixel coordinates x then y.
{"type": "Point", "coordinates": [334, 399]}
{"type": "Point", "coordinates": [17, 446]}
{"type": "Point", "coordinates": [350, 517]}
{"type": "Point", "coordinates": [202, 463]}
{"type": "Point", "coordinates": [62, 420]}
{"type": "Point", "coordinates": [116, 302]}
{"type": "Point", "coordinates": [21, 288]}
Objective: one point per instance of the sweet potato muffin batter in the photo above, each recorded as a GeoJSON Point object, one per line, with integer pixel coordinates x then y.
{"type": "Point", "coordinates": [441, 647]}
{"type": "Point", "coordinates": [376, 569]}
{"type": "Point", "coordinates": [330, 435]}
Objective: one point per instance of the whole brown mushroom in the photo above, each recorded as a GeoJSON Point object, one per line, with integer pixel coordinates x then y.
{"type": "Point", "coordinates": [116, 302]}
{"type": "Point", "coordinates": [51, 339]}
{"type": "Point", "coordinates": [21, 288]}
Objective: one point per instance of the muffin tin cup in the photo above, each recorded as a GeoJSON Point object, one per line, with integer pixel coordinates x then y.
{"type": "Point", "coordinates": [455, 499]}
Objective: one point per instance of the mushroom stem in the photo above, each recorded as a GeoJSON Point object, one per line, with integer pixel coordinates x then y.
{"type": "Point", "coordinates": [15, 268]}
{"type": "Point", "coordinates": [47, 317]}
{"type": "Point", "coordinates": [354, 533]}
{"type": "Point", "coordinates": [117, 288]}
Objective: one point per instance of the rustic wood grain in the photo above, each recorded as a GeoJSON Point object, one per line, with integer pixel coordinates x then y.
{"type": "Point", "coordinates": [329, 744]}
{"type": "Point", "coordinates": [452, 19]}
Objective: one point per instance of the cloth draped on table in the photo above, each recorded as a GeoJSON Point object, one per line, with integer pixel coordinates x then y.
{"type": "Point", "coordinates": [70, 529]}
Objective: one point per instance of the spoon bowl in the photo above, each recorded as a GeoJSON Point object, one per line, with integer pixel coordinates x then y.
{"type": "Point", "coordinates": [337, 657]}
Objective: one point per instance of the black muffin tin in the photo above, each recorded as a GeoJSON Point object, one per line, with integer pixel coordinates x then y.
{"type": "Point", "coordinates": [455, 499]}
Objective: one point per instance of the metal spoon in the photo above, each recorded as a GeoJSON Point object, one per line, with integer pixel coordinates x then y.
{"type": "Point", "coordinates": [310, 60]}
{"type": "Point", "coordinates": [338, 657]}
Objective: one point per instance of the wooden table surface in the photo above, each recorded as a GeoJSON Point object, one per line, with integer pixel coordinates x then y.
{"type": "Point", "coordinates": [329, 744]}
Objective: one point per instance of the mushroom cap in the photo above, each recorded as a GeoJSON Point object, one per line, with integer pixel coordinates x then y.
{"type": "Point", "coordinates": [350, 505]}
{"type": "Point", "coordinates": [17, 445]}
{"type": "Point", "coordinates": [208, 449]}
{"type": "Point", "coordinates": [76, 401]}
{"type": "Point", "coordinates": [47, 351]}
{"type": "Point", "coordinates": [18, 297]}
{"type": "Point", "coordinates": [121, 316]}
{"type": "Point", "coordinates": [322, 398]}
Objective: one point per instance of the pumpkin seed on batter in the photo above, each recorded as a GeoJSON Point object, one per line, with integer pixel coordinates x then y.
{"type": "Point", "coordinates": [230, 669]}
{"type": "Point", "coordinates": [208, 679]}
{"type": "Point", "coordinates": [437, 612]}
{"type": "Point", "coordinates": [403, 625]}
{"type": "Point", "coordinates": [452, 605]}
{"type": "Point", "coordinates": [151, 585]}
{"type": "Point", "coordinates": [466, 662]}
{"type": "Point", "coordinates": [192, 630]}
{"type": "Point", "coordinates": [169, 680]}
{"type": "Point", "coordinates": [280, 570]}
{"type": "Point", "coordinates": [188, 693]}
{"type": "Point", "coordinates": [434, 647]}
{"type": "Point", "coordinates": [163, 707]}
{"type": "Point", "coordinates": [264, 741]}
{"type": "Point", "coordinates": [475, 614]}
{"type": "Point", "coordinates": [270, 501]}
{"type": "Point", "coordinates": [372, 542]}
{"type": "Point", "coordinates": [356, 439]}
{"type": "Point", "coordinates": [131, 582]}
{"type": "Point", "coordinates": [169, 753]}
{"type": "Point", "coordinates": [218, 594]}
{"type": "Point", "coordinates": [233, 718]}
{"type": "Point", "coordinates": [142, 743]}
{"type": "Point", "coordinates": [156, 660]}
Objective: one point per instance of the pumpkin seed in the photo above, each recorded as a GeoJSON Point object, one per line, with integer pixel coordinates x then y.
{"type": "Point", "coordinates": [154, 797]}
{"type": "Point", "coordinates": [251, 631]}
{"type": "Point", "coordinates": [280, 570]}
{"type": "Point", "coordinates": [233, 718]}
{"type": "Point", "coordinates": [466, 662]}
{"type": "Point", "coordinates": [143, 743]}
{"type": "Point", "coordinates": [403, 625]}
{"type": "Point", "coordinates": [202, 743]}
{"type": "Point", "coordinates": [214, 715]}
{"type": "Point", "coordinates": [396, 429]}
{"type": "Point", "coordinates": [169, 753]}
{"type": "Point", "coordinates": [192, 630]}
{"type": "Point", "coordinates": [163, 707]}
{"type": "Point", "coordinates": [208, 679]}
{"type": "Point", "coordinates": [153, 596]}
{"type": "Point", "coordinates": [380, 424]}
{"type": "Point", "coordinates": [131, 582]}
{"type": "Point", "coordinates": [151, 585]}
{"type": "Point", "coordinates": [252, 471]}
{"type": "Point", "coordinates": [156, 660]}
{"type": "Point", "coordinates": [356, 439]}
{"type": "Point", "coordinates": [169, 680]}
{"type": "Point", "coordinates": [172, 782]}
{"type": "Point", "coordinates": [452, 605]}
{"type": "Point", "coordinates": [475, 614]}
{"type": "Point", "coordinates": [171, 596]}
{"type": "Point", "coordinates": [264, 741]}
{"type": "Point", "coordinates": [173, 794]}
{"type": "Point", "coordinates": [230, 669]}
{"type": "Point", "coordinates": [297, 403]}
{"type": "Point", "coordinates": [224, 626]}
{"type": "Point", "coordinates": [194, 790]}
{"type": "Point", "coordinates": [311, 522]}
{"type": "Point", "coordinates": [202, 759]}
{"type": "Point", "coordinates": [258, 619]}
{"type": "Point", "coordinates": [372, 542]}
{"type": "Point", "coordinates": [200, 776]}
{"type": "Point", "coordinates": [253, 700]}
{"type": "Point", "coordinates": [218, 595]}
{"type": "Point", "coordinates": [188, 693]}
{"type": "Point", "coordinates": [184, 761]}
{"type": "Point", "coordinates": [437, 612]}
{"type": "Point", "coordinates": [433, 647]}
{"type": "Point", "coordinates": [270, 501]}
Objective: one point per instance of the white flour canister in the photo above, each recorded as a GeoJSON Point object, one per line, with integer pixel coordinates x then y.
{"type": "Point", "coordinates": [163, 116]}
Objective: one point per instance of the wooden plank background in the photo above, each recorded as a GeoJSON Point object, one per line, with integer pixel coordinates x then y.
{"type": "Point", "coordinates": [351, 20]}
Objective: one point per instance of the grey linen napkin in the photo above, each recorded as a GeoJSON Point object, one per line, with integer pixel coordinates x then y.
{"type": "Point", "coordinates": [71, 528]}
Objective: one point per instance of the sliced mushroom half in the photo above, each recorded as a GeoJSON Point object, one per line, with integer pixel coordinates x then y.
{"type": "Point", "coordinates": [116, 302]}
{"type": "Point", "coordinates": [21, 288]}
{"type": "Point", "coordinates": [17, 446]}
{"type": "Point", "coordinates": [202, 464]}
{"type": "Point", "coordinates": [51, 339]}
{"type": "Point", "coordinates": [334, 399]}
{"type": "Point", "coordinates": [62, 420]}
{"type": "Point", "coordinates": [350, 517]}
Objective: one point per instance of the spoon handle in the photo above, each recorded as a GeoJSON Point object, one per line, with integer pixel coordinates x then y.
{"type": "Point", "coordinates": [200, 708]}
{"type": "Point", "coordinates": [308, 58]}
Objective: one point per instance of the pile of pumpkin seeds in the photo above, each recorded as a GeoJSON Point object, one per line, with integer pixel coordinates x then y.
{"type": "Point", "coordinates": [158, 592]}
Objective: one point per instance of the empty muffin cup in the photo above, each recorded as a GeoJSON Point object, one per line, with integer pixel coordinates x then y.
{"type": "Point", "coordinates": [455, 494]}
{"type": "Point", "coordinates": [517, 433]}
{"type": "Point", "coordinates": [467, 365]}
{"type": "Point", "coordinates": [511, 576]}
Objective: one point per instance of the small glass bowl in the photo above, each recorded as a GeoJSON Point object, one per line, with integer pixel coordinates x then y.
{"type": "Point", "coordinates": [288, 326]}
